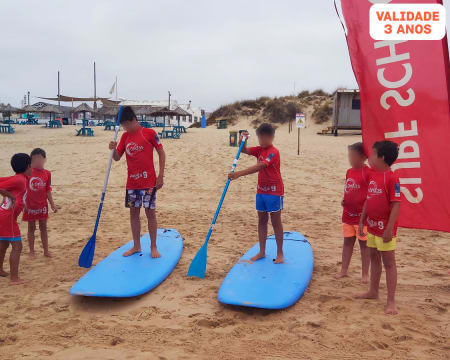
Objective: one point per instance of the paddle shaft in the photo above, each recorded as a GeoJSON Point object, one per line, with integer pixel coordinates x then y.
{"type": "Point", "coordinates": [108, 171]}
{"type": "Point", "coordinates": [222, 198]}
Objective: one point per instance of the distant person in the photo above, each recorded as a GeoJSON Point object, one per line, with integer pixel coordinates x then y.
{"type": "Point", "coordinates": [270, 189]}
{"type": "Point", "coordinates": [355, 194]}
{"type": "Point", "coordinates": [380, 212]}
{"type": "Point", "coordinates": [138, 144]}
{"type": "Point", "coordinates": [39, 195]}
{"type": "Point", "coordinates": [13, 190]}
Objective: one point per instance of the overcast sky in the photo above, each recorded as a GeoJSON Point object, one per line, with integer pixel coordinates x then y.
{"type": "Point", "coordinates": [211, 52]}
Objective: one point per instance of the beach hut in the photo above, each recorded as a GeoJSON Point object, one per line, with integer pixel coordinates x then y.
{"type": "Point", "coordinates": [346, 110]}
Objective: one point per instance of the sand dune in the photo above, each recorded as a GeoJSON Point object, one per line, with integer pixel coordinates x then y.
{"type": "Point", "coordinates": [182, 319]}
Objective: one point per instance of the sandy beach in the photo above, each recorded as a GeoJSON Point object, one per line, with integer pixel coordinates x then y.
{"type": "Point", "coordinates": [182, 319]}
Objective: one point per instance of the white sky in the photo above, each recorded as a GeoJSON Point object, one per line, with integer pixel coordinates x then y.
{"type": "Point", "coordinates": [211, 52]}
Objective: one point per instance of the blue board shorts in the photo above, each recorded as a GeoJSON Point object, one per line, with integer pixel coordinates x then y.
{"type": "Point", "coordinates": [269, 203]}
{"type": "Point", "coordinates": [139, 198]}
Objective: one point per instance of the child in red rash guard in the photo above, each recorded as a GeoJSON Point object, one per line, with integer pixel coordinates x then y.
{"type": "Point", "coordinates": [355, 194]}
{"type": "Point", "coordinates": [270, 193]}
{"type": "Point", "coordinates": [39, 194]}
{"type": "Point", "coordinates": [138, 144]}
{"type": "Point", "coordinates": [380, 212]}
{"type": "Point", "coordinates": [13, 191]}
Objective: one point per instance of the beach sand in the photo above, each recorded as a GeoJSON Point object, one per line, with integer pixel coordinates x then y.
{"type": "Point", "coordinates": [182, 319]}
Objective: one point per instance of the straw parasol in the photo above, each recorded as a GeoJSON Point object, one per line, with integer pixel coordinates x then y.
{"type": "Point", "coordinates": [8, 109]}
{"type": "Point", "coordinates": [50, 109]}
{"type": "Point", "coordinates": [84, 108]}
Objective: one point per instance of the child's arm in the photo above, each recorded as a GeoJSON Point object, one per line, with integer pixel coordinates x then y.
{"type": "Point", "coordinates": [361, 220]}
{"type": "Point", "coordinates": [244, 148]}
{"type": "Point", "coordinates": [251, 170]}
{"type": "Point", "coordinates": [393, 216]}
{"type": "Point", "coordinates": [50, 200]}
{"type": "Point", "coordinates": [6, 193]}
{"type": "Point", "coordinates": [162, 165]}
{"type": "Point", "coordinates": [116, 155]}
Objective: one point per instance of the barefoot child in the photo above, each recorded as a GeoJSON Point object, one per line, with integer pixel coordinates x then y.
{"type": "Point", "coordinates": [355, 194]}
{"type": "Point", "coordinates": [39, 194]}
{"type": "Point", "coordinates": [380, 212]}
{"type": "Point", "coordinates": [270, 191]}
{"type": "Point", "coordinates": [13, 190]}
{"type": "Point", "coordinates": [138, 144]}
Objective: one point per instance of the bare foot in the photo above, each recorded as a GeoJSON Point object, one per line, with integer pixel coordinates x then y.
{"type": "Point", "coordinates": [390, 309]}
{"type": "Point", "coordinates": [32, 255]}
{"type": "Point", "coordinates": [131, 251]}
{"type": "Point", "coordinates": [365, 279]}
{"type": "Point", "coordinates": [155, 253]}
{"type": "Point", "coordinates": [16, 282]}
{"type": "Point", "coordinates": [367, 295]}
{"type": "Point", "coordinates": [48, 254]}
{"type": "Point", "coordinates": [340, 275]}
{"type": "Point", "coordinates": [258, 256]}
{"type": "Point", "coordinates": [279, 259]}
{"type": "Point", "coordinates": [3, 273]}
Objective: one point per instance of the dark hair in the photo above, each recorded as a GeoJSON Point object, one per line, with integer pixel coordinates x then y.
{"type": "Point", "coordinates": [20, 162]}
{"type": "Point", "coordinates": [38, 151]}
{"type": "Point", "coordinates": [127, 114]}
{"type": "Point", "coordinates": [358, 147]}
{"type": "Point", "coordinates": [265, 129]}
{"type": "Point", "coordinates": [388, 150]}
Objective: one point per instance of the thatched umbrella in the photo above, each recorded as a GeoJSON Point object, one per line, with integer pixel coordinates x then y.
{"type": "Point", "coordinates": [50, 109]}
{"type": "Point", "coordinates": [84, 108]}
{"type": "Point", "coordinates": [8, 109]}
{"type": "Point", "coordinates": [182, 112]}
{"type": "Point", "coordinates": [107, 111]}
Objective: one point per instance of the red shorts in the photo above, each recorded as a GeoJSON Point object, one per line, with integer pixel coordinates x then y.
{"type": "Point", "coordinates": [35, 214]}
{"type": "Point", "coordinates": [9, 229]}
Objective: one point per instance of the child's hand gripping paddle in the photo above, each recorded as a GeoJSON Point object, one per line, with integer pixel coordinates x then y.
{"type": "Point", "coordinates": [198, 264]}
{"type": "Point", "coordinates": [87, 255]}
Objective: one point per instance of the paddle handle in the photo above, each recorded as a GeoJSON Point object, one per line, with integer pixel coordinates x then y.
{"type": "Point", "coordinates": [108, 170]}
{"type": "Point", "coordinates": [222, 198]}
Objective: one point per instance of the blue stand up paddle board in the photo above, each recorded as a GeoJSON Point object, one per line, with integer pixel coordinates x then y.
{"type": "Point", "coordinates": [263, 284]}
{"type": "Point", "coordinates": [120, 276]}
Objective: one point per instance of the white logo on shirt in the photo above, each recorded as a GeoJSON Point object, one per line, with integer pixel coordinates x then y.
{"type": "Point", "coordinates": [350, 184]}
{"type": "Point", "coordinates": [373, 188]}
{"type": "Point", "coordinates": [36, 184]}
{"type": "Point", "coordinates": [132, 148]}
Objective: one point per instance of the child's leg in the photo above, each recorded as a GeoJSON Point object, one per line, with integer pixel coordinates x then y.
{"type": "Point", "coordinates": [44, 237]}
{"type": "Point", "coordinates": [31, 230]}
{"type": "Point", "coordinates": [3, 247]}
{"type": "Point", "coordinates": [391, 280]}
{"type": "Point", "coordinates": [152, 229]}
{"type": "Point", "coordinates": [347, 251]}
{"type": "Point", "coordinates": [365, 261]}
{"type": "Point", "coordinates": [375, 275]}
{"type": "Point", "coordinates": [14, 260]}
{"type": "Point", "coordinates": [263, 219]}
{"type": "Point", "coordinates": [135, 222]}
{"type": "Point", "coordinates": [275, 217]}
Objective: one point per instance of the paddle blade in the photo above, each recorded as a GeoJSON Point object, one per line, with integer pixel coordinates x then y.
{"type": "Point", "coordinates": [87, 255]}
{"type": "Point", "coordinates": [198, 264]}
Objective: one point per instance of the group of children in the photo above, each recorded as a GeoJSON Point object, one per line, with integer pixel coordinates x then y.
{"type": "Point", "coordinates": [371, 201]}
{"type": "Point", "coordinates": [28, 191]}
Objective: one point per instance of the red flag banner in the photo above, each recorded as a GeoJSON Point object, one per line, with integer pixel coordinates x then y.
{"type": "Point", "coordinates": [404, 89]}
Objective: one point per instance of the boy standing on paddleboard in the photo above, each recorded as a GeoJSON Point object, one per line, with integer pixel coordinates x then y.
{"type": "Point", "coordinates": [13, 191]}
{"type": "Point", "coordinates": [380, 212]}
{"type": "Point", "coordinates": [138, 144]}
{"type": "Point", "coordinates": [39, 194]}
{"type": "Point", "coordinates": [355, 194]}
{"type": "Point", "coordinates": [270, 190]}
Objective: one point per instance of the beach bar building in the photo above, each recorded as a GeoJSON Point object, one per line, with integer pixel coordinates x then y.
{"type": "Point", "coordinates": [346, 110]}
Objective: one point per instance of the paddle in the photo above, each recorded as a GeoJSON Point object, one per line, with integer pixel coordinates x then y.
{"type": "Point", "coordinates": [198, 264]}
{"type": "Point", "coordinates": [87, 255]}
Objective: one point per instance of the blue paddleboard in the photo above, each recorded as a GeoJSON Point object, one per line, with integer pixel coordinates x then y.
{"type": "Point", "coordinates": [119, 276]}
{"type": "Point", "coordinates": [266, 285]}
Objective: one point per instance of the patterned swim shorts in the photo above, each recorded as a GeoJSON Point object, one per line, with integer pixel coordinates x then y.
{"type": "Point", "coordinates": [139, 198]}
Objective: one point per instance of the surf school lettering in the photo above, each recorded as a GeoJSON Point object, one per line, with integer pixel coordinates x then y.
{"type": "Point", "coordinates": [36, 184]}
{"type": "Point", "coordinates": [37, 211]}
{"type": "Point", "coordinates": [373, 188]}
{"type": "Point", "coordinates": [267, 188]}
{"type": "Point", "coordinates": [372, 223]}
{"type": "Point", "coordinates": [397, 90]}
{"type": "Point", "coordinates": [137, 176]}
{"type": "Point", "coordinates": [132, 148]}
